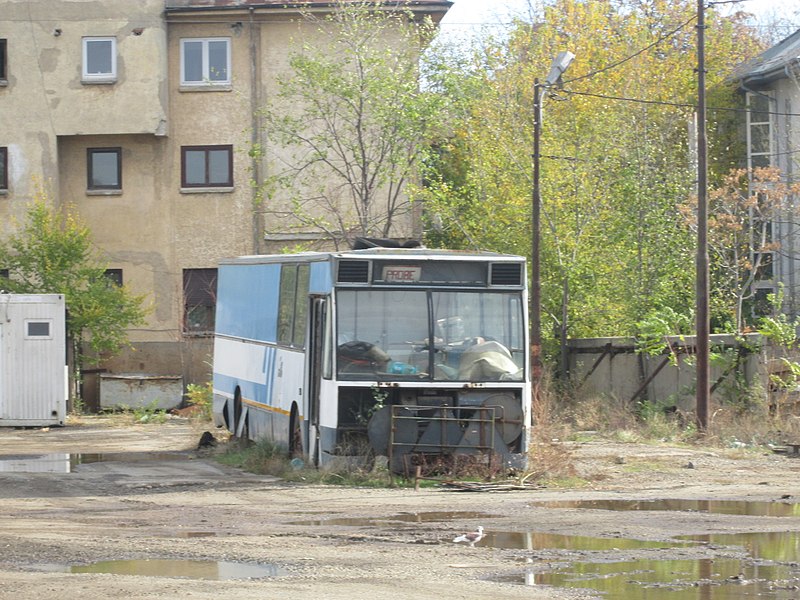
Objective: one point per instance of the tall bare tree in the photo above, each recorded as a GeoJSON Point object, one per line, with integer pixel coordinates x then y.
{"type": "Point", "coordinates": [348, 126]}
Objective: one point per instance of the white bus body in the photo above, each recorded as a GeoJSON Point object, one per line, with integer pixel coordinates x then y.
{"type": "Point", "coordinates": [399, 352]}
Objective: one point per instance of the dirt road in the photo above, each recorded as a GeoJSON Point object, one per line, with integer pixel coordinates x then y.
{"type": "Point", "coordinates": [142, 495]}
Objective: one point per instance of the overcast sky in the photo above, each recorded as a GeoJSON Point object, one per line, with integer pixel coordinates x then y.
{"type": "Point", "coordinates": [471, 13]}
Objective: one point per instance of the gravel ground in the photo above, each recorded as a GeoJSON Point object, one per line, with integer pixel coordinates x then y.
{"type": "Point", "coordinates": [142, 493]}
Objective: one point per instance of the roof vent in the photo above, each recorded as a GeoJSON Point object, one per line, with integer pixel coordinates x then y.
{"type": "Point", "coordinates": [353, 271]}
{"type": "Point", "coordinates": [506, 274]}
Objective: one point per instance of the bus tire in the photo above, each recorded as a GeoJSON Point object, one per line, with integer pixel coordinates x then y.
{"type": "Point", "coordinates": [238, 411]}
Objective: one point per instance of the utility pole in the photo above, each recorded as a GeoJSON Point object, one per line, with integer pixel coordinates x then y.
{"type": "Point", "coordinates": [702, 316]}
{"type": "Point", "coordinates": [536, 281]}
{"type": "Point", "coordinates": [560, 63]}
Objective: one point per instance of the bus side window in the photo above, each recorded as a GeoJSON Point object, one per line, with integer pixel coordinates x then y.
{"type": "Point", "coordinates": [293, 305]}
{"type": "Point", "coordinates": [301, 308]}
{"type": "Point", "coordinates": [286, 304]}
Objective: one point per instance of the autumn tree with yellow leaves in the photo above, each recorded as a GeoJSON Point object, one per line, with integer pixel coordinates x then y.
{"type": "Point", "coordinates": [616, 153]}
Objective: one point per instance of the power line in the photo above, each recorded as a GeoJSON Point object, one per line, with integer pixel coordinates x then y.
{"type": "Point", "coordinates": [677, 104]}
{"type": "Point", "coordinates": [635, 54]}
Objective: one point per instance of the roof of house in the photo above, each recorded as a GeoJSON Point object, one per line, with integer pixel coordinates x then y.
{"type": "Point", "coordinates": [770, 64]}
{"type": "Point", "coordinates": [438, 5]}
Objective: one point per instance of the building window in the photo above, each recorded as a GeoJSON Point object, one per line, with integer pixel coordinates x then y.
{"type": "Point", "coordinates": [206, 166]}
{"type": "Point", "coordinates": [199, 300]}
{"type": "Point", "coordinates": [205, 61]}
{"type": "Point", "coordinates": [104, 168]}
{"type": "Point", "coordinates": [763, 263]}
{"type": "Point", "coordinates": [114, 276]}
{"type": "Point", "coordinates": [760, 304]}
{"type": "Point", "coordinates": [3, 61]}
{"type": "Point", "coordinates": [99, 59]}
{"type": "Point", "coordinates": [759, 131]}
{"type": "Point", "coordinates": [3, 168]}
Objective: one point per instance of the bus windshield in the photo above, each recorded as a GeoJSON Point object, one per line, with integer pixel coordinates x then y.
{"type": "Point", "coordinates": [437, 335]}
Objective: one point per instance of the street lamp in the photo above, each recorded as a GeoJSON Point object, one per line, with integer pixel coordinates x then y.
{"type": "Point", "coordinates": [560, 64]}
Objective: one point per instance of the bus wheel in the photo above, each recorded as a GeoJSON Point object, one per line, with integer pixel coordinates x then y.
{"type": "Point", "coordinates": [295, 434]}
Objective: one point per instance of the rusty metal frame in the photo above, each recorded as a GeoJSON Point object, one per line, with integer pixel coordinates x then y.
{"type": "Point", "coordinates": [482, 421]}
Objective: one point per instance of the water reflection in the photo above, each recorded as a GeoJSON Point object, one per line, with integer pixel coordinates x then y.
{"type": "Point", "coordinates": [526, 540]}
{"type": "Point", "coordinates": [782, 546]}
{"type": "Point", "coordinates": [192, 569]}
{"type": "Point", "coordinates": [727, 507]}
{"type": "Point", "coordinates": [64, 462]}
{"type": "Point", "coordinates": [416, 517]}
{"type": "Point", "coordinates": [703, 579]}
{"type": "Point", "coordinates": [770, 570]}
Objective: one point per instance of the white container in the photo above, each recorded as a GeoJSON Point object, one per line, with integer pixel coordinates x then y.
{"type": "Point", "coordinates": [33, 356]}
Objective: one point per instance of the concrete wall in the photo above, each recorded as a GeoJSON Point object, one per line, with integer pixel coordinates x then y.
{"type": "Point", "coordinates": [620, 372]}
{"type": "Point", "coordinates": [140, 391]}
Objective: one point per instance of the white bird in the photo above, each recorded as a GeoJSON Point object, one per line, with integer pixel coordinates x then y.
{"type": "Point", "coordinates": [471, 538]}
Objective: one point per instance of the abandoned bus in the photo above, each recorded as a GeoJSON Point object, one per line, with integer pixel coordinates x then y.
{"type": "Point", "coordinates": [405, 353]}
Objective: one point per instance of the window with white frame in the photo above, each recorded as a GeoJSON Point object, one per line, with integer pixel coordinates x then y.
{"type": "Point", "coordinates": [759, 130]}
{"type": "Point", "coordinates": [99, 59]}
{"type": "Point", "coordinates": [205, 61]}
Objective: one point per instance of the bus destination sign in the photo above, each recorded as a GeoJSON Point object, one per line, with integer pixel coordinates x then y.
{"type": "Point", "coordinates": [401, 274]}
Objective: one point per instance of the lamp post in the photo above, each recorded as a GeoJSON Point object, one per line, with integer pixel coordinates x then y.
{"type": "Point", "coordinates": [560, 64]}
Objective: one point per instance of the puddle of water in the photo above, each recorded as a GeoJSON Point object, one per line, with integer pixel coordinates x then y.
{"type": "Point", "coordinates": [781, 546]}
{"type": "Point", "coordinates": [421, 517]}
{"type": "Point", "coordinates": [539, 541]}
{"type": "Point", "coordinates": [190, 569]}
{"type": "Point", "coordinates": [770, 571]}
{"type": "Point", "coordinates": [89, 458]}
{"type": "Point", "coordinates": [727, 507]}
{"type": "Point", "coordinates": [63, 462]}
{"type": "Point", "coordinates": [672, 579]}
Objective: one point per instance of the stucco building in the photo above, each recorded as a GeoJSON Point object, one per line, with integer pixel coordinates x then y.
{"type": "Point", "coordinates": [770, 83]}
{"type": "Point", "coordinates": [139, 116]}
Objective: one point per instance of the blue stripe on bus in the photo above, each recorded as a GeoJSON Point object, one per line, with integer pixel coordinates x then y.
{"type": "Point", "coordinates": [258, 391]}
{"type": "Point", "coordinates": [251, 390]}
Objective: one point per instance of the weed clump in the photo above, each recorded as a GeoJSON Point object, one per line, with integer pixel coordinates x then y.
{"type": "Point", "coordinates": [265, 457]}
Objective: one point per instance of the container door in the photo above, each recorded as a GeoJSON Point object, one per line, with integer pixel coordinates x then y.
{"type": "Point", "coordinates": [2, 375]}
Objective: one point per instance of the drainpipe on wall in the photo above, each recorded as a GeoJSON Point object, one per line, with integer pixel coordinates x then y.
{"type": "Point", "coordinates": [255, 135]}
